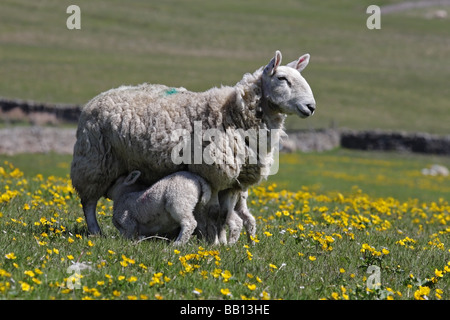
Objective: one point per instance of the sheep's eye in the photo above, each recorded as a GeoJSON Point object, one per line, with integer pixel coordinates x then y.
{"type": "Point", "coordinates": [285, 79]}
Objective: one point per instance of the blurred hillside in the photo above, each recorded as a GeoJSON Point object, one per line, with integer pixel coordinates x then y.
{"type": "Point", "coordinates": [394, 78]}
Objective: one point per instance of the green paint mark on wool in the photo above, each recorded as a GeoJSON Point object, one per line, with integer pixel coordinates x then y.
{"type": "Point", "coordinates": [171, 91]}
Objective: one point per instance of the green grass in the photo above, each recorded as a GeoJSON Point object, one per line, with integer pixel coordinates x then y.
{"type": "Point", "coordinates": [311, 236]}
{"type": "Point", "coordinates": [393, 78]}
{"type": "Point", "coordinates": [381, 174]}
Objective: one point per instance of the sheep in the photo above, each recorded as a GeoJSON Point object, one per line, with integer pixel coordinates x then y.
{"type": "Point", "coordinates": [161, 209]}
{"type": "Point", "coordinates": [132, 128]}
{"type": "Point", "coordinates": [436, 170]}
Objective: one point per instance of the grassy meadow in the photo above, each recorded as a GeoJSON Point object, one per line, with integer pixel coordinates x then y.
{"type": "Point", "coordinates": [325, 221]}
{"type": "Point", "coordinates": [315, 239]}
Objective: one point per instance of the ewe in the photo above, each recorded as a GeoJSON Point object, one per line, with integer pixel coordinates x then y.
{"type": "Point", "coordinates": [161, 209]}
{"type": "Point", "coordinates": [131, 128]}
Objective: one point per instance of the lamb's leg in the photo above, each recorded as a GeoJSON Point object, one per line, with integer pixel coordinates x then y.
{"type": "Point", "coordinates": [187, 229]}
{"type": "Point", "coordinates": [89, 208]}
{"type": "Point", "coordinates": [235, 224]}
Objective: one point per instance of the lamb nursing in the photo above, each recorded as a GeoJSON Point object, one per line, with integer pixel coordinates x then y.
{"type": "Point", "coordinates": [162, 209]}
{"type": "Point", "coordinates": [132, 128]}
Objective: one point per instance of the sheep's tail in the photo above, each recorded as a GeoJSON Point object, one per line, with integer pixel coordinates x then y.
{"type": "Point", "coordinates": [206, 192]}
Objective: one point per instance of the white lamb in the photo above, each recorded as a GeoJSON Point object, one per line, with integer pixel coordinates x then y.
{"type": "Point", "coordinates": [162, 209]}
{"type": "Point", "coordinates": [131, 128]}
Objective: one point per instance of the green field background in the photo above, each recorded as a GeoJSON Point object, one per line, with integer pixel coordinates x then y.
{"type": "Point", "coordinates": [394, 78]}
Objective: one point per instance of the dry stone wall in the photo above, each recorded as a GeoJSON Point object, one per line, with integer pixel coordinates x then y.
{"type": "Point", "coordinates": [40, 138]}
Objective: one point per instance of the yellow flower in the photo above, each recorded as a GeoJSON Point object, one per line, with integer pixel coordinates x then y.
{"type": "Point", "coordinates": [438, 273]}
{"type": "Point", "coordinates": [249, 255]}
{"type": "Point", "coordinates": [422, 293]}
{"type": "Point", "coordinates": [439, 293]}
{"type": "Point", "coordinates": [116, 293]}
{"type": "Point", "coordinates": [4, 273]}
{"type": "Point", "coordinates": [123, 263]}
{"type": "Point", "coordinates": [29, 273]}
{"type": "Point", "coordinates": [225, 292]}
{"type": "Point", "coordinates": [268, 234]}
{"type": "Point", "coordinates": [385, 251]}
{"type": "Point", "coordinates": [70, 257]}
{"type": "Point", "coordinates": [342, 270]}
{"type": "Point", "coordinates": [128, 260]}
{"type": "Point", "coordinates": [10, 256]}
{"type": "Point", "coordinates": [265, 295]}
{"type": "Point", "coordinates": [226, 275]}
{"type": "Point", "coordinates": [251, 287]}
{"type": "Point", "coordinates": [25, 286]}
{"type": "Point", "coordinates": [312, 258]}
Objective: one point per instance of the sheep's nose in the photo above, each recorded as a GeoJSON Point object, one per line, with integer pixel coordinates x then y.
{"type": "Point", "coordinates": [311, 107]}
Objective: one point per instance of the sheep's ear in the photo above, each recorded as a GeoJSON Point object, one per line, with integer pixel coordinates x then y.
{"type": "Point", "coordinates": [301, 63]}
{"type": "Point", "coordinates": [271, 68]}
{"type": "Point", "coordinates": [132, 177]}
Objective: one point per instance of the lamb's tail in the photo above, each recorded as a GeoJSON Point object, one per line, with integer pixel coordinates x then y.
{"type": "Point", "coordinates": [206, 192]}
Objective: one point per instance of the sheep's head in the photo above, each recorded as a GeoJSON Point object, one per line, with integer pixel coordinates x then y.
{"type": "Point", "coordinates": [123, 185]}
{"type": "Point", "coordinates": [284, 86]}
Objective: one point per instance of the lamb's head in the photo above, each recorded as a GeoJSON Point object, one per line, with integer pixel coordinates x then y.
{"type": "Point", "coordinates": [124, 185]}
{"type": "Point", "coordinates": [284, 86]}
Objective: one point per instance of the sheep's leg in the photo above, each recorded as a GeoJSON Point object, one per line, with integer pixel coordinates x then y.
{"type": "Point", "coordinates": [249, 224]}
{"type": "Point", "coordinates": [212, 218]}
{"type": "Point", "coordinates": [248, 219]}
{"type": "Point", "coordinates": [229, 217]}
{"type": "Point", "coordinates": [221, 226]}
{"type": "Point", "coordinates": [89, 208]}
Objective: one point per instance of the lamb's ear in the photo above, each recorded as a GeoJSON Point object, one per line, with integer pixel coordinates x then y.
{"type": "Point", "coordinates": [132, 177]}
{"type": "Point", "coordinates": [271, 68]}
{"type": "Point", "coordinates": [301, 63]}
